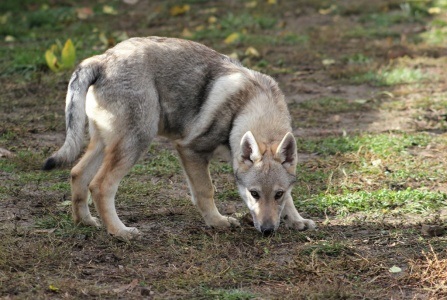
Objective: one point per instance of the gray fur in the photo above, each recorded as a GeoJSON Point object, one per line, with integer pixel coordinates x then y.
{"type": "Point", "coordinates": [188, 92]}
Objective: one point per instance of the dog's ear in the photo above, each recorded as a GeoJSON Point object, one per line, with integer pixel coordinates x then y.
{"type": "Point", "coordinates": [286, 152]}
{"type": "Point", "coordinates": [249, 148]}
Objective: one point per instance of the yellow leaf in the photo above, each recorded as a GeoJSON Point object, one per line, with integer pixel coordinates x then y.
{"type": "Point", "coordinates": [271, 2]}
{"type": "Point", "coordinates": [178, 10]}
{"type": "Point", "coordinates": [434, 10]}
{"type": "Point", "coordinates": [53, 288]}
{"type": "Point", "coordinates": [327, 11]}
{"type": "Point", "coordinates": [234, 55]}
{"type": "Point", "coordinates": [251, 4]}
{"type": "Point", "coordinates": [102, 37]}
{"type": "Point", "coordinates": [186, 33]}
{"type": "Point", "coordinates": [200, 28]}
{"type": "Point", "coordinates": [252, 52]}
{"type": "Point", "coordinates": [232, 38]}
{"type": "Point", "coordinates": [84, 12]}
{"type": "Point", "coordinates": [10, 38]}
{"type": "Point", "coordinates": [51, 60]}
{"type": "Point", "coordinates": [212, 20]}
{"type": "Point", "coordinates": [68, 55]}
{"type": "Point", "coordinates": [107, 9]}
{"type": "Point", "coordinates": [328, 61]}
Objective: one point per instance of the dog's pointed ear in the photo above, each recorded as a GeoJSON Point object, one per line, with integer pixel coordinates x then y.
{"type": "Point", "coordinates": [249, 148]}
{"type": "Point", "coordinates": [286, 152]}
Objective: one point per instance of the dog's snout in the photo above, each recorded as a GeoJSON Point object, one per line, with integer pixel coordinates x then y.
{"type": "Point", "coordinates": [267, 230]}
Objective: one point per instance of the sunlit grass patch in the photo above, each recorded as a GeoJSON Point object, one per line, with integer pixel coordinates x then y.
{"type": "Point", "coordinates": [381, 144]}
{"type": "Point", "coordinates": [368, 172]}
{"type": "Point", "coordinates": [383, 200]}
{"type": "Point", "coordinates": [390, 76]}
{"type": "Point", "coordinates": [435, 35]}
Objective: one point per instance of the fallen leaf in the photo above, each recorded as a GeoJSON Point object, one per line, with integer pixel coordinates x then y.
{"type": "Point", "coordinates": [65, 203]}
{"type": "Point", "coordinates": [326, 11]}
{"type": "Point", "coordinates": [434, 10]}
{"type": "Point", "coordinates": [271, 2]}
{"type": "Point", "coordinates": [232, 38]}
{"type": "Point", "coordinates": [361, 101]}
{"type": "Point", "coordinates": [200, 28]}
{"type": "Point", "coordinates": [395, 269]}
{"type": "Point", "coordinates": [252, 52]}
{"type": "Point", "coordinates": [107, 9]}
{"type": "Point", "coordinates": [376, 162]}
{"type": "Point", "coordinates": [234, 55]}
{"type": "Point", "coordinates": [328, 62]}
{"type": "Point", "coordinates": [212, 20]}
{"type": "Point", "coordinates": [84, 12]}
{"type": "Point", "coordinates": [68, 54]}
{"type": "Point", "coordinates": [53, 288]}
{"type": "Point", "coordinates": [207, 11]}
{"type": "Point", "coordinates": [186, 33]}
{"type": "Point", "coordinates": [10, 38]}
{"type": "Point", "coordinates": [178, 10]}
{"type": "Point", "coordinates": [51, 60]}
{"type": "Point", "coordinates": [251, 4]}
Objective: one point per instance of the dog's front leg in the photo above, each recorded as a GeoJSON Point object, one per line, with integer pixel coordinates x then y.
{"type": "Point", "coordinates": [293, 219]}
{"type": "Point", "coordinates": [201, 187]}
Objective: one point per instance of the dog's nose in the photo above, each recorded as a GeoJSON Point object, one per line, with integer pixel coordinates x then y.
{"type": "Point", "coordinates": [267, 230]}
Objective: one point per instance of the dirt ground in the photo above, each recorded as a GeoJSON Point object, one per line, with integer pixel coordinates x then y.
{"type": "Point", "coordinates": [321, 54]}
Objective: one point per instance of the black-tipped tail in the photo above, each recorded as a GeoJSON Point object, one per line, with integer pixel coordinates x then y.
{"type": "Point", "coordinates": [50, 164]}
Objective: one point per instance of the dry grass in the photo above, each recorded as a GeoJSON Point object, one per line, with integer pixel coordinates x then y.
{"type": "Point", "coordinates": [372, 171]}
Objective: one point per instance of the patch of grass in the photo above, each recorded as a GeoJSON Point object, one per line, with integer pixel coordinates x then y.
{"type": "Point", "coordinates": [369, 32]}
{"type": "Point", "coordinates": [327, 146]}
{"type": "Point", "coordinates": [62, 225]}
{"type": "Point", "coordinates": [390, 76]}
{"type": "Point", "coordinates": [390, 18]}
{"type": "Point", "coordinates": [384, 201]}
{"type": "Point", "coordinates": [160, 163]}
{"type": "Point", "coordinates": [325, 248]}
{"type": "Point", "coordinates": [357, 58]}
{"type": "Point", "coordinates": [234, 294]}
{"type": "Point", "coordinates": [435, 35]}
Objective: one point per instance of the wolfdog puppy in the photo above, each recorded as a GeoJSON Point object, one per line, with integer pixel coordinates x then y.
{"type": "Point", "coordinates": [201, 100]}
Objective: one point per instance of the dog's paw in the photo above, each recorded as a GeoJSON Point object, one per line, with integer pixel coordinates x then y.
{"type": "Point", "coordinates": [89, 221]}
{"type": "Point", "coordinates": [127, 234]}
{"type": "Point", "coordinates": [302, 224]}
{"type": "Point", "coordinates": [223, 221]}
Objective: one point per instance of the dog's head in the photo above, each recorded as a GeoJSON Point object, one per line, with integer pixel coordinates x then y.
{"type": "Point", "coordinates": [265, 174]}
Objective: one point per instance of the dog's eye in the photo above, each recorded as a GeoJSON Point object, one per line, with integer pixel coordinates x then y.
{"type": "Point", "coordinates": [255, 194]}
{"type": "Point", "coordinates": [278, 195]}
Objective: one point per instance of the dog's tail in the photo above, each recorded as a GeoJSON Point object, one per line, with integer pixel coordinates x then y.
{"type": "Point", "coordinates": [85, 75]}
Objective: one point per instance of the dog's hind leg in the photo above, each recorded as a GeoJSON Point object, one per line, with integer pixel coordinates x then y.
{"type": "Point", "coordinates": [81, 175]}
{"type": "Point", "coordinates": [201, 187]}
{"type": "Point", "coordinates": [118, 160]}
